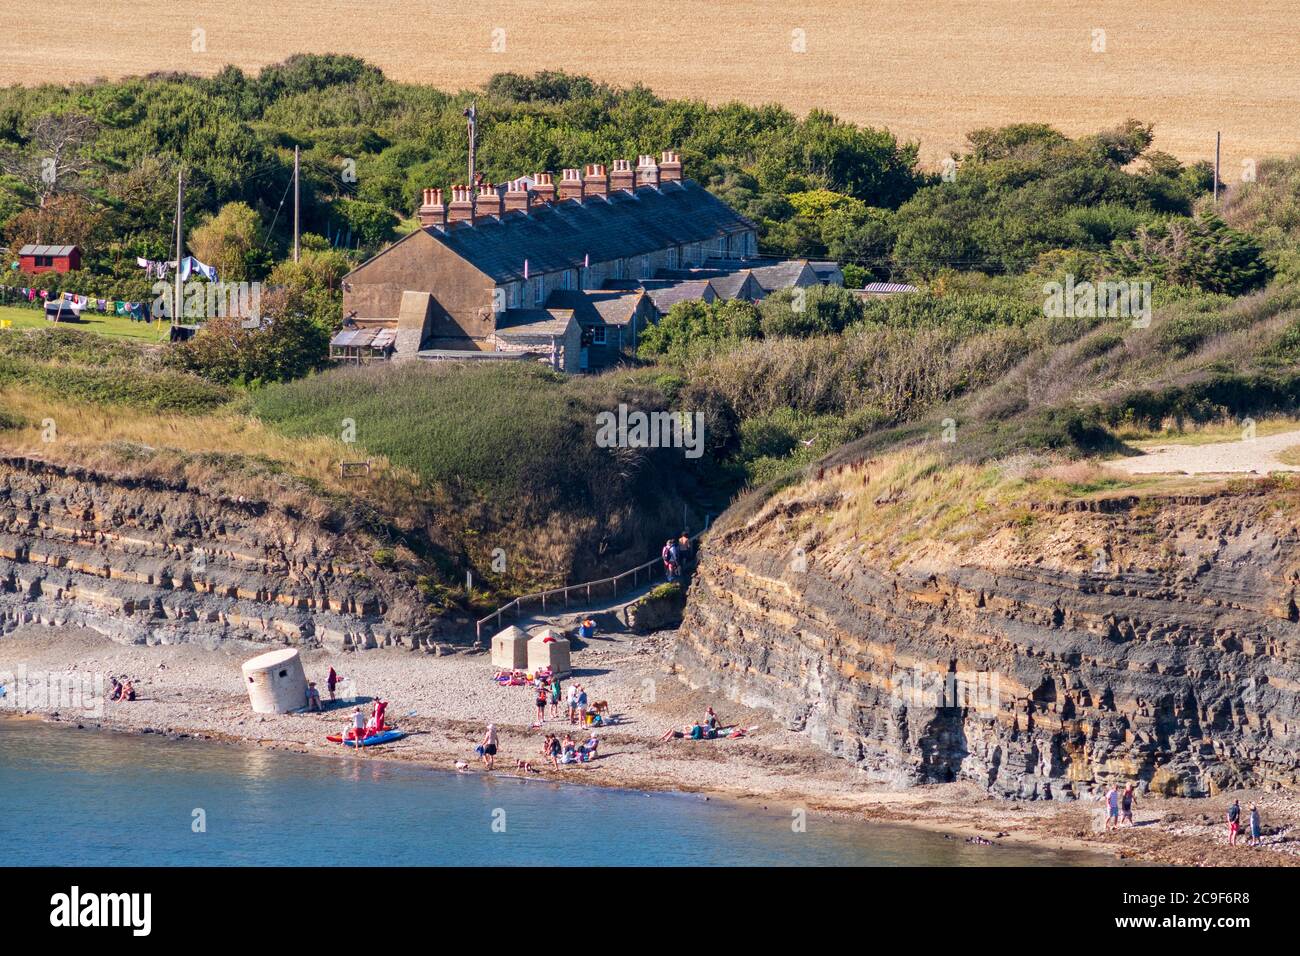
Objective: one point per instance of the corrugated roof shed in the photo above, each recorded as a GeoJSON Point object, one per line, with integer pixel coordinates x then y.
{"type": "Point", "coordinates": [560, 236]}
{"type": "Point", "coordinates": [887, 288]}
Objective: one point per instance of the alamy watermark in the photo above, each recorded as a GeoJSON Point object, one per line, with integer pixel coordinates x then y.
{"type": "Point", "coordinates": [973, 690]}
{"type": "Point", "coordinates": [638, 429]}
{"type": "Point", "coordinates": [76, 692]}
{"type": "Point", "coordinates": [1093, 300]}
{"type": "Point", "coordinates": [209, 300]}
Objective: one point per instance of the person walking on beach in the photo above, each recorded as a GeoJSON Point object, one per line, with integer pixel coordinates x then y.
{"type": "Point", "coordinates": [542, 695]}
{"type": "Point", "coordinates": [1126, 804]}
{"type": "Point", "coordinates": [1112, 807]}
{"type": "Point", "coordinates": [1254, 826]}
{"type": "Point", "coordinates": [490, 746]}
{"type": "Point", "coordinates": [555, 697]}
{"type": "Point", "coordinates": [1234, 822]}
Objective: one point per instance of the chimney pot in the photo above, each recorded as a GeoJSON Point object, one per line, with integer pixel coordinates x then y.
{"type": "Point", "coordinates": [596, 180]}
{"type": "Point", "coordinates": [518, 197]}
{"type": "Point", "coordinates": [670, 166]}
{"type": "Point", "coordinates": [622, 176]}
{"type": "Point", "coordinates": [647, 171]}
{"type": "Point", "coordinates": [571, 185]}
{"type": "Point", "coordinates": [462, 204]}
{"type": "Point", "coordinates": [432, 211]}
{"type": "Point", "coordinates": [543, 188]}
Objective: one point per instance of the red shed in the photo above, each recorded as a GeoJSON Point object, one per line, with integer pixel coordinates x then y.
{"type": "Point", "coordinates": [49, 258]}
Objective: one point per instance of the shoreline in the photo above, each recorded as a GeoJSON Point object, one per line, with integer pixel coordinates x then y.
{"type": "Point", "coordinates": [443, 702]}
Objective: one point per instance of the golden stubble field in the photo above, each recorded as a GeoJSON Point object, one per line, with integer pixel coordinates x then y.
{"type": "Point", "coordinates": [927, 69]}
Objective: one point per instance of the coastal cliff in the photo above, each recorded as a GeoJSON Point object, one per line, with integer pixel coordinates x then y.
{"type": "Point", "coordinates": [933, 624]}
{"type": "Point", "coordinates": [146, 559]}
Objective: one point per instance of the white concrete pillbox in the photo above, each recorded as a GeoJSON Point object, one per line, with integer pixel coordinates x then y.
{"type": "Point", "coordinates": [510, 649]}
{"type": "Point", "coordinates": [276, 683]}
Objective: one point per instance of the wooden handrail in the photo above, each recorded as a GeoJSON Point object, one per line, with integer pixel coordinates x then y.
{"type": "Point", "coordinates": [585, 585]}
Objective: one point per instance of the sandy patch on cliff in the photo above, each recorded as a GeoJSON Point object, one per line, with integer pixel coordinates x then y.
{"type": "Point", "coordinates": [1259, 455]}
{"type": "Point", "coordinates": [445, 701]}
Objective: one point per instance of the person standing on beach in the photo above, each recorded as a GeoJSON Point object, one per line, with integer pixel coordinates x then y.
{"type": "Point", "coordinates": [490, 746]}
{"type": "Point", "coordinates": [358, 725]}
{"type": "Point", "coordinates": [582, 705]}
{"type": "Point", "coordinates": [572, 710]}
{"type": "Point", "coordinates": [541, 703]}
{"type": "Point", "coordinates": [331, 682]}
{"type": "Point", "coordinates": [1234, 822]}
{"type": "Point", "coordinates": [1254, 826]}
{"type": "Point", "coordinates": [1126, 804]}
{"type": "Point", "coordinates": [1112, 807]}
{"type": "Point", "coordinates": [555, 696]}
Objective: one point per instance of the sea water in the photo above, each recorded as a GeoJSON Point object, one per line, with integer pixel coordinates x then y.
{"type": "Point", "coordinates": [84, 797]}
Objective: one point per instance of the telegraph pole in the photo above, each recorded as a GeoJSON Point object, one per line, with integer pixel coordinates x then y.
{"type": "Point", "coordinates": [471, 115]}
{"type": "Point", "coordinates": [180, 240]}
{"type": "Point", "coordinates": [296, 203]}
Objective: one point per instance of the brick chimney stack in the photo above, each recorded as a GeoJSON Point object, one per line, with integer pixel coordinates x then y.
{"type": "Point", "coordinates": [462, 204]}
{"type": "Point", "coordinates": [596, 180]}
{"type": "Point", "coordinates": [670, 166]}
{"type": "Point", "coordinates": [543, 187]}
{"type": "Point", "coordinates": [432, 211]}
{"type": "Point", "coordinates": [622, 176]}
{"type": "Point", "coordinates": [490, 202]}
{"type": "Point", "coordinates": [571, 186]}
{"type": "Point", "coordinates": [517, 196]}
{"type": "Point", "coordinates": [647, 172]}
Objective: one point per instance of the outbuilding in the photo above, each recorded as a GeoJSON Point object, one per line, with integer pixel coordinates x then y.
{"type": "Point", "coordinates": [548, 649]}
{"type": "Point", "coordinates": [276, 682]}
{"type": "Point", "coordinates": [510, 649]}
{"type": "Point", "coordinates": [33, 259]}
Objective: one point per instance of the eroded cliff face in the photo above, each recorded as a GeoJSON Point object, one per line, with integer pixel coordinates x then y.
{"type": "Point", "coordinates": [1127, 638]}
{"type": "Point", "coordinates": [148, 560]}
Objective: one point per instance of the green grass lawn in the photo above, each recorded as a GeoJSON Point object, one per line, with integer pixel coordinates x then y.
{"type": "Point", "coordinates": [113, 326]}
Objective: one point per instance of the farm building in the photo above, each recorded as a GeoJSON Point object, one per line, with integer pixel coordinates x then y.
{"type": "Point", "coordinates": [33, 259]}
{"type": "Point", "coordinates": [483, 267]}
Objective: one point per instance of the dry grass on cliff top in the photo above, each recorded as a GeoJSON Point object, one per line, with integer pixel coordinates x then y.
{"type": "Point", "coordinates": [917, 494]}
{"type": "Point", "coordinates": [253, 459]}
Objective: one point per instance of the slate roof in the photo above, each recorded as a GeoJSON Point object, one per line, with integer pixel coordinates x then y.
{"type": "Point", "coordinates": [771, 274]}
{"type": "Point", "coordinates": [614, 307]}
{"type": "Point", "coordinates": [46, 250]}
{"type": "Point", "coordinates": [559, 236]}
{"type": "Point", "coordinates": [525, 322]}
{"type": "Point", "coordinates": [666, 296]}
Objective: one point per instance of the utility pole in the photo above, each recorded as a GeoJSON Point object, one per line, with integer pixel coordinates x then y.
{"type": "Point", "coordinates": [1218, 139]}
{"type": "Point", "coordinates": [296, 204]}
{"type": "Point", "coordinates": [471, 115]}
{"type": "Point", "coordinates": [180, 240]}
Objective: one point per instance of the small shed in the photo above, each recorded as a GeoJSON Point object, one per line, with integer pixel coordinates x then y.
{"type": "Point", "coordinates": [363, 345]}
{"type": "Point", "coordinates": [276, 682]}
{"type": "Point", "coordinates": [34, 259]}
{"type": "Point", "coordinates": [510, 649]}
{"type": "Point", "coordinates": [548, 649]}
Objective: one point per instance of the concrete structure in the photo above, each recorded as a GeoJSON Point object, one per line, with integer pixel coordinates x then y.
{"type": "Point", "coordinates": [275, 682]}
{"type": "Point", "coordinates": [548, 649]}
{"type": "Point", "coordinates": [510, 649]}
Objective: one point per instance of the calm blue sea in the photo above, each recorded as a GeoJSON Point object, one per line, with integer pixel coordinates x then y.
{"type": "Point", "coordinates": [81, 797]}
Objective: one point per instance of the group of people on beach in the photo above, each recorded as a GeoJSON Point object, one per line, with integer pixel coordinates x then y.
{"type": "Point", "coordinates": [710, 728]}
{"type": "Point", "coordinates": [1233, 818]}
{"type": "Point", "coordinates": [549, 693]}
{"type": "Point", "coordinates": [1119, 812]}
{"type": "Point", "coordinates": [121, 690]}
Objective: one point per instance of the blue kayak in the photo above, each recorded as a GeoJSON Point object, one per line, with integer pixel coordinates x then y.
{"type": "Point", "coordinates": [387, 737]}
